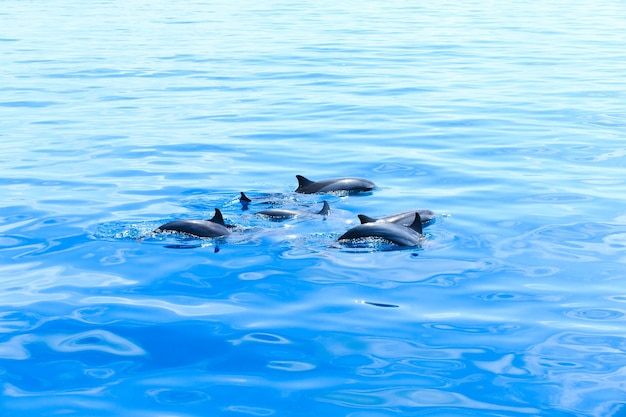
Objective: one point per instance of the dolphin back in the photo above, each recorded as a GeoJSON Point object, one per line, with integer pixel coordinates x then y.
{"type": "Point", "coordinates": [244, 199]}
{"type": "Point", "coordinates": [417, 224]}
{"type": "Point", "coordinates": [303, 184]}
{"type": "Point", "coordinates": [214, 227]}
{"type": "Point", "coordinates": [279, 213]}
{"type": "Point", "coordinates": [200, 228]}
{"type": "Point", "coordinates": [395, 233]}
{"type": "Point", "coordinates": [405, 218]}
{"type": "Point", "coordinates": [366, 219]}
{"type": "Point", "coordinates": [325, 211]}
{"type": "Point", "coordinates": [285, 214]}
{"type": "Point", "coordinates": [218, 218]}
{"type": "Point", "coordinates": [349, 185]}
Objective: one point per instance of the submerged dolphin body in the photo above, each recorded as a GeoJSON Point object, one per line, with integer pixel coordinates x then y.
{"type": "Point", "coordinates": [279, 214]}
{"type": "Point", "coordinates": [266, 199]}
{"type": "Point", "coordinates": [214, 227]}
{"type": "Point", "coordinates": [393, 232]}
{"type": "Point", "coordinates": [350, 185]}
{"type": "Point", "coordinates": [404, 218]}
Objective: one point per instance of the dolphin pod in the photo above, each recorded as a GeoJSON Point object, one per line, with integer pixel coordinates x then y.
{"type": "Point", "coordinates": [392, 232]}
{"type": "Point", "coordinates": [402, 229]}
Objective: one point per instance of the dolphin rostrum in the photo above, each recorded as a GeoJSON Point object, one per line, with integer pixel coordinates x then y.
{"type": "Point", "coordinates": [393, 232]}
{"type": "Point", "coordinates": [350, 185]}
{"type": "Point", "coordinates": [285, 214]}
{"type": "Point", "coordinates": [404, 218]}
{"type": "Point", "coordinates": [214, 227]}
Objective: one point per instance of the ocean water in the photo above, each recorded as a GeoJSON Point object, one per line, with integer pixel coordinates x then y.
{"type": "Point", "coordinates": [505, 118]}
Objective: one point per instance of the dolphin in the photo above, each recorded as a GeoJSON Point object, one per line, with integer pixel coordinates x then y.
{"type": "Point", "coordinates": [279, 214]}
{"type": "Point", "coordinates": [214, 227]}
{"type": "Point", "coordinates": [244, 199]}
{"type": "Point", "coordinates": [404, 218]}
{"type": "Point", "coordinates": [393, 232]}
{"type": "Point", "coordinates": [266, 199]}
{"type": "Point", "coordinates": [351, 185]}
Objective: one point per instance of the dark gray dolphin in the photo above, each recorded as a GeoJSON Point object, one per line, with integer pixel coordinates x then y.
{"type": "Point", "coordinates": [404, 218]}
{"type": "Point", "coordinates": [393, 232]}
{"type": "Point", "coordinates": [244, 199]}
{"type": "Point", "coordinates": [280, 214]}
{"type": "Point", "coordinates": [351, 185]}
{"type": "Point", "coordinates": [214, 227]}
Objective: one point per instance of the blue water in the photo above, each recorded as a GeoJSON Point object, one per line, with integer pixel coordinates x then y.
{"type": "Point", "coordinates": [505, 118]}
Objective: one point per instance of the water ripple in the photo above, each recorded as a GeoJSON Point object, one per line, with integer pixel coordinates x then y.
{"type": "Point", "coordinates": [168, 396]}
{"type": "Point", "coordinates": [183, 310]}
{"type": "Point", "coordinates": [97, 340]}
{"type": "Point", "coordinates": [291, 366]}
{"type": "Point", "coordinates": [412, 398]}
{"type": "Point", "coordinates": [595, 314]}
{"type": "Point", "coordinates": [579, 242]}
{"type": "Point", "coordinates": [31, 283]}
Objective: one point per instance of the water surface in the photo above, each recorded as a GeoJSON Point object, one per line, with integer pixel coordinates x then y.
{"type": "Point", "coordinates": [506, 119]}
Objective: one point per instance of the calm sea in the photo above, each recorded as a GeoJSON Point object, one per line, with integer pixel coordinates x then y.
{"type": "Point", "coordinates": [506, 118]}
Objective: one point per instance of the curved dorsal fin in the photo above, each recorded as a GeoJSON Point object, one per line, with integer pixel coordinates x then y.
{"type": "Point", "coordinates": [244, 198]}
{"type": "Point", "coordinates": [325, 211]}
{"type": "Point", "coordinates": [417, 224]}
{"type": "Point", "coordinates": [218, 218]}
{"type": "Point", "coordinates": [303, 181]}
{"type": "Point", "coordinates": [366, 219]}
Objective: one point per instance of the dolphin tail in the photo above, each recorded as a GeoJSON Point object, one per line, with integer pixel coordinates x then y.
{"type": "Point", "coordinates": [303, 182]}
{"type": "Point", "coordinates": [218, 218]}
{"type": "Point", "coordinates": [366, 219]}
{"type": "Point", "coordinates": [325, 211]}
{"type": "Point", "coordinates": [244, 199]}
{"type": "Point", "coordinates": [417, 224]}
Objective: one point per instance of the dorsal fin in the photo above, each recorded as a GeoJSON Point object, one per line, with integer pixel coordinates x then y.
{"type": "Point", "coordinates": [303, 182]}
{"type": "Point", "coordinates": [366, 219]}
{"type": "Point", "coordinates": [417, 224]}
{"type": "Point", "coordinates": [244, 198]}
{"type": "Point", "coordinates": [325, 211]}
{"type": "Point", "coordinates": [218, 218]}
